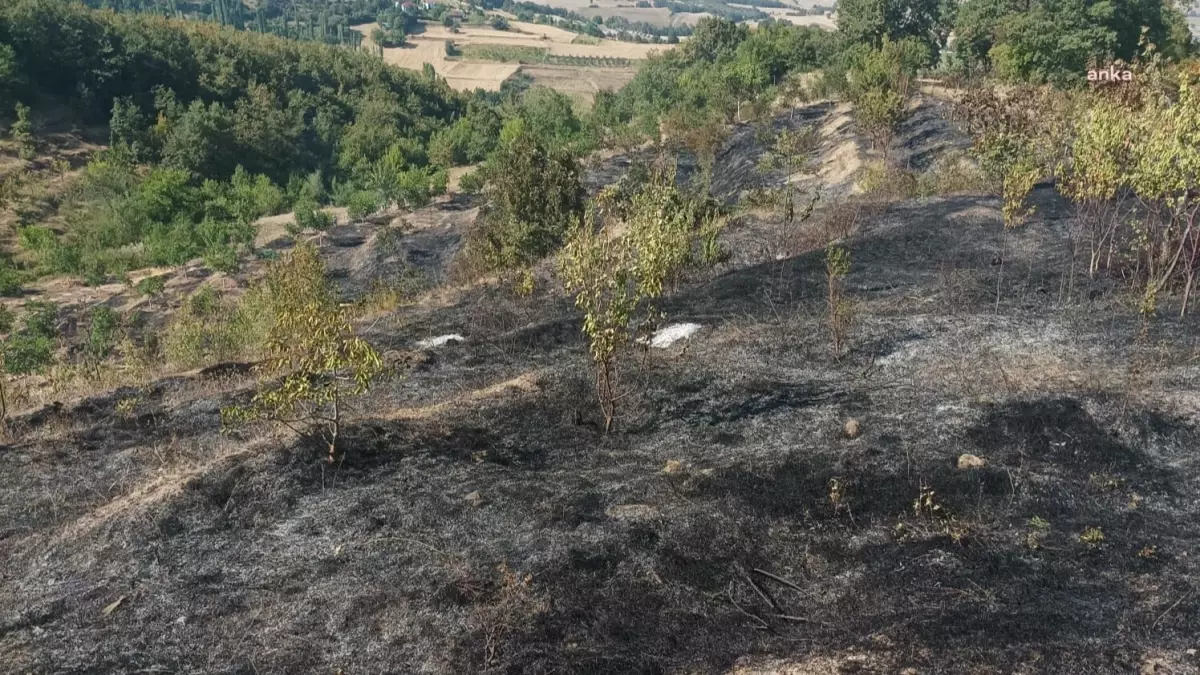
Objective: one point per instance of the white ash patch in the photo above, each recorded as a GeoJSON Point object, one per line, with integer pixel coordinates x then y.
{"type": "Point", "coordinates": [669, 335]}
{"type": "Point", "coordinates": [440, 341]}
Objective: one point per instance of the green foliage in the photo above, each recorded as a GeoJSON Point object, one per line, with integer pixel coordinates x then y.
{"type": "Point", "coordinates": [10, 279]}
{"type": "Point", "coordinates": [315, 361]}
{"type": "Point", "coordinates": [549, 116]}
{"type": "Point", "coordinates": [361, 204]}
{"type": "Point", "coordinates": [470, 139]}
{"type": "Point", "coordinates": [719, 70]}
{"type": "Point", "coordinates": [504, 53]}
{"type": "Point", "coordinates": [388, 37]}
{"type": "Point", "coordinates": [1058, 40]}
{"type": "Point", "coordinates": [31, 349]}
{"type": "Point", "coordinates": [839, 310]}
{"type": "Point", "coordinates": [21, 132]}
{"type": "Point", "coordinates": [309, 216]}
{"type": "Point", "coordinates": [878, 83]}
{"type": "Point", "coordinates": [533, 194]}
{"type": "Point", "coordinates": [212, 329]}
{"type": "Point", "coordinates": [871, 22]}
{"type": "Point", "coordinates": [616, 276]}
{"type": "Point", "coordinates": [103, 330]}
{"type": "Point", "coordinates": [152, 286]}
{"type": "Point", "coordinates": [471, 182]}
{"type": "Point", "coordinates": [207, 100]}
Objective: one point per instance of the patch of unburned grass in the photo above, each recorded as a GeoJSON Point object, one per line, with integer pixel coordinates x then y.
{"type": "Point", "coordinates": [504, 53]}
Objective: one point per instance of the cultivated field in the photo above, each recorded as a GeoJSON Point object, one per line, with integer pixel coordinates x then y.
{"type": "Point", "coordinates": [658, 16]}
{"type": "Point", "coordinates": [786, 14]}
{"type": "Point", "coordinates": [467, 74]}
{"type": "Point", "coordinates": [581, 84]}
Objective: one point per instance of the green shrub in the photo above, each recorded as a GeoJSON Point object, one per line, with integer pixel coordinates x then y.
{"type": "Point", "coordinates": [41, 318]}
{"type": "Point", "coordinates": [103, 330]}
{"type": "Point", "coordinates": [10, 279]}
{"type": "Point", "coordinates": [211, 329]}
{"type": "Point", "coordinates": [533, 196]}
{"type": "Point", "coordinates": [309, 216]}
{"type": "Point", "coordinates": [32, 348]}
{"type": "Point", "coordinates": [25, 353]}
{"type": "Point", "coordinates": [152, 286]}
{"type": "Point", "coordinates": [361, 204]}
{"type": "Point", "coordinates": [7, 319]}
{"type": "Point", "coordinates": [471, 182]}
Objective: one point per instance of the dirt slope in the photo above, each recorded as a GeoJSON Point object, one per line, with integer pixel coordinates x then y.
{"type": "Point", "coordinates": [480, 524]}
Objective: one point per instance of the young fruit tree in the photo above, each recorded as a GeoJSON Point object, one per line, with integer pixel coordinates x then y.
{"type": "Point", "coordinates": [316, 363]}
{"type": "Point", "coordinates": [617, 261]}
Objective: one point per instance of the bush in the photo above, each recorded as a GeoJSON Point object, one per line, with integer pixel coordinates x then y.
{"type": "Point", "coordinates": [10, 279]}
{"type": "Point", "coordinates": [361, 204]}
{"type": "Point", "coordinates": [152, 286]}
{"type": "Point", "coordinates": [32, 348]}
{"type": "Point", "coordinates": [471, 182]}
{"type": "Point", "coordinates": [616, 277]}
{"type": "Point", "coordinates": [309, 216]}
{"type": "Point", "coordinates": [211, 329]}
{"type": "Point", "coordinates": [533, 194]}
{"type": "Point", "coordinates": [103, 330]}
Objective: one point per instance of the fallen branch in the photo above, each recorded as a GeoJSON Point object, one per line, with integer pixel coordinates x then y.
{"type": "Point", "coordinates": [800, 619]}
{"type": "Point", "coordinates": [762, 623]}
{"type": "Point", "coordinates": [780, 579]}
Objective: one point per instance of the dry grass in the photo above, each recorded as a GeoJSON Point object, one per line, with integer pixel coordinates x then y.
{"type": "Point", "coordinates": [526, 383]}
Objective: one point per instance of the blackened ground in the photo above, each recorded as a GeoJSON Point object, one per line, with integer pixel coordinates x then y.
{"type": "Point", "coordinates": [727, 524]}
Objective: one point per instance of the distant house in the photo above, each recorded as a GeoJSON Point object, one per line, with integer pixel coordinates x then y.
{"type": "Point", "coordinates": [406, 6]}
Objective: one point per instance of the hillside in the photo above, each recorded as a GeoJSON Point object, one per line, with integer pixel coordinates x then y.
{"type": "Point", "coordinates": [1017, 493]}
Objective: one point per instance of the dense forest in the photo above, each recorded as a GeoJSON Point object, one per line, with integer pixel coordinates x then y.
{"type": "Point", "coordinates": [318, 21]}
{"type": "Point", "coordinates": [192, 106]}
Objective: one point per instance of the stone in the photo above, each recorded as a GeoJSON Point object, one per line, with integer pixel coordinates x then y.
{"type": "Point", "coordinates": [852, 430]}
{"type": "Point", "coordinates": [475, 499]}
{"type": "Point", "coordinates": [673, 466]}
{"type": "Point", "coordinates": [966, 462]}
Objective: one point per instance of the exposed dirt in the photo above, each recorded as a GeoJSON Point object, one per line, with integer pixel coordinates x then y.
{"type": "Point", "coordinates": [481, 524]}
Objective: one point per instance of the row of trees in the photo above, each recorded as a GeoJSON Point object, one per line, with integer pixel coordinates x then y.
{"type": "Point", "coordinates": [328, 22]}
{"type": "Point", "coordinates": [1130, 160]}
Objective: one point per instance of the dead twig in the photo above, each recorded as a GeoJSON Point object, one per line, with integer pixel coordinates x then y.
{"type": "Point", "coordinates": [800, 619]}
{"type": "Point", "coordinates": [761, 593]}
{"type": "Point", "coordinates": [762, 624]}
{"type": "Point", "coordinates": [780, 579]}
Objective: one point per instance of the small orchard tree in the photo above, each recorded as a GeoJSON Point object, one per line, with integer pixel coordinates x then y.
{"type": "Point", "coordinates": [619, 258]}
{"type": "Point", "coordinates": [316, 363]}
{"type": "Point", "coordinates": [840, 311]}
{"type": "Point", "coordinates": [879, 82]}
{"type": "Point", "coordinates": [1018, 138]}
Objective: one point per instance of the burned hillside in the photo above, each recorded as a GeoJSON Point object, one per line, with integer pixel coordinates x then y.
{"type": "Point", "coordinates": [994, 476]}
